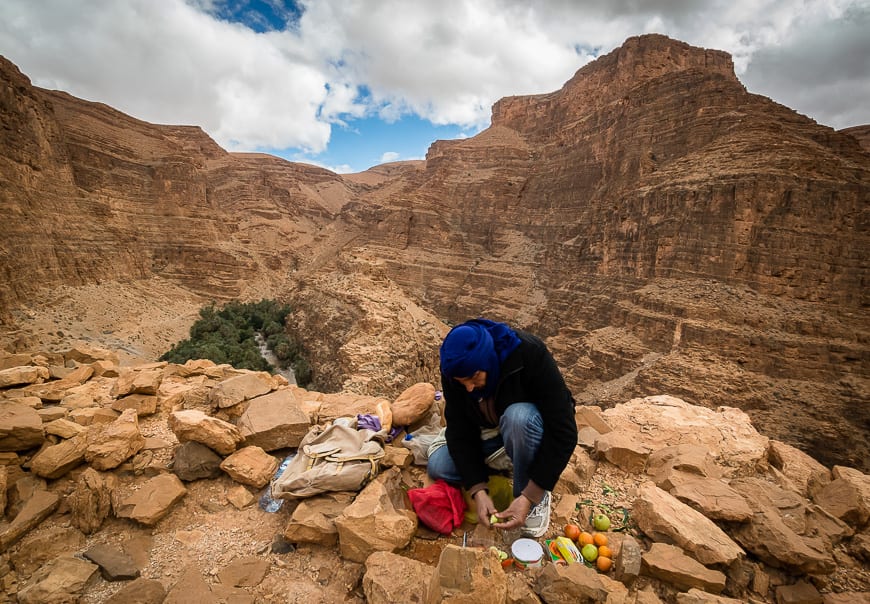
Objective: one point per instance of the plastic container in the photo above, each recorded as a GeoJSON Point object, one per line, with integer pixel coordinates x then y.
{"type": "Point", "coordinates": [527, 553]}
{"type": "Point", "coordinates": [267, 502]}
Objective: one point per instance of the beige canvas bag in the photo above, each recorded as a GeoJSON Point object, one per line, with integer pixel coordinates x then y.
{"type": "Point", "coordinates": [337, 458]}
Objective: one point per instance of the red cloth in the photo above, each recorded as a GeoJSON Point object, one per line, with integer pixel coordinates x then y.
{"type": "Point", "coordinates": [439, 506]}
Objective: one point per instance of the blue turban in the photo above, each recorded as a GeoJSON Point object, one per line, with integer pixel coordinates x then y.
{"type": "Point", "coordinates": [477, 345]}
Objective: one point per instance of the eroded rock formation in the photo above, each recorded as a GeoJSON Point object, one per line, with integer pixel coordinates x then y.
{"type": "Point", "coordinates": [666, 230]}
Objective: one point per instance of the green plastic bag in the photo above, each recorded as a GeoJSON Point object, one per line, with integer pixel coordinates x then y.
{"type": "Point", "coordinates": [501, 490]}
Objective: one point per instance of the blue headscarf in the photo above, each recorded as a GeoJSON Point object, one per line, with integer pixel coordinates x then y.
{"type": "Point", "coordinates": [477, 345]}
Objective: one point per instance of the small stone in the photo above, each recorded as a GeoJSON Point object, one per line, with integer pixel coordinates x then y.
{"type": "Point", "coordinates": [114, 564]}
{"type": "Point", "coordinates": [240, 497]}
{"type": "Point", "coordinates": [140, 591]}
{"type": "Point", "coordinates": [194, 461]}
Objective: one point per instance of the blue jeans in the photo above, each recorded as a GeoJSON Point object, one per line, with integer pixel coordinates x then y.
{"type": "Point", "coordinates": [521, 430]}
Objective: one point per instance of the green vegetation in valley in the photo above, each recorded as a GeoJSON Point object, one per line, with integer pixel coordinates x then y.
{"type": "Point", "coordinates": [227, 335]}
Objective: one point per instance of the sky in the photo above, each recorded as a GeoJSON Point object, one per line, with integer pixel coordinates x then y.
{"type": "Point", "coordinates": [349, 84]}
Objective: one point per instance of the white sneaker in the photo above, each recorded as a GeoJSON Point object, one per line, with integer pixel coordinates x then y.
{"type": "Point", "coordinates": [538, 520]}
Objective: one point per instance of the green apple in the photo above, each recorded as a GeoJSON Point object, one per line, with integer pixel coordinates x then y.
{"type": "Point", "coordinates": [589, 552]}
{"type": "Point", "coordinates": [494, 519]}
{"type": "Point", "coordinates": [601, 522]}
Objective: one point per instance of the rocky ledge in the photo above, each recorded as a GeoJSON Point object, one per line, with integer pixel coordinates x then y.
{"type": "Point", "coordinates": [140, 483]}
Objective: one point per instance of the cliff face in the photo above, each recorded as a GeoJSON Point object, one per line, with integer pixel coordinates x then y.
{"type": "Point", "coordinates": [666, 230]}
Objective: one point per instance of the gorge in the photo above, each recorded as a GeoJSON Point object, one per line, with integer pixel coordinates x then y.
{"type": "Point", "coordinates": [664, 229]}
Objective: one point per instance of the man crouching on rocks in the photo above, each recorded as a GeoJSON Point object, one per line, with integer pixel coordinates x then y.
{"type": "Point", "coordinates": [504, 394]}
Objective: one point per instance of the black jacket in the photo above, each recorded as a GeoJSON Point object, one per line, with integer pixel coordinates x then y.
{"type": "Point", "coordinates": [528, 375]}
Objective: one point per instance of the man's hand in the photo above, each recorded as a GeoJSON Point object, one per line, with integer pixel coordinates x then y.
{"type": "Point", "coordinates": [515, 515]}
{"type": "Point", "coordinates": [485, 506]}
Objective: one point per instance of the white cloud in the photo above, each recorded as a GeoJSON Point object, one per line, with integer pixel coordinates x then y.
{"type": "Point", "coordinates": [169, 61]}
{"type": "Point", "coordinates": [389, 156]}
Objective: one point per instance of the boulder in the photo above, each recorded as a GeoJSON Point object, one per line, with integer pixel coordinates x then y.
{"type": "Point", "coordinates": [591, 417]}
{"type": "Point", "coordinates": [467, 574]}
{"type": "Point", "coordinates": [698, 596]}
{"type": "Point", "coordinates": [55, 390]}
{"type": "Point", "coordinates": [114, 564]}
{"type": "Point", "coordinates": [779, 532]}
{"type": "Point", "coordinates": [379, 519]}
{"type": "Point", "coordinates": [798, 593]}
{"type": "Point", "coordinates": [623, 451]}
{"type": "Point", "coordinates": [801, 469]}
{"type": "Point", "coordinates": [20, 427]}
{"type": "Point", "coordinates": [274, 421]}
{"type": "Point", "coordinates": [713, 498]}
{"type": "Point", "coordinates": [39, 506]}
{"type": "Point", "coordinates": [577, 584]}
{"type": "Point", "coordinates": [143, 379]}
{"type": "Point", "coordinates": [313, 520]}
{"type": "Point", "coordinates": [19, 376]}
{"type": "Point", "coordinates": [192, 424]}
{"type": "Point", "coordinates": [152, 500]}
{"type": "Point", "coordinates": [55, 461]}
{"type": "Point", "coordinates": [195, 461]}
{"type": "Point", "coordinates": [93, 416]}
{"type": "Point", "coordinates": [661, 421]}
{"type": "Point", "coordinates": [847, 497]}
{"type": "Point", "coordinates": [663, 517]}
{"type": "Point", "coordinates": [91, 500]}
{"type": "Point", "coordinates": [142, 404]}
{"type": "Point", "coordinates": [412, 404]}
{"type": "Point", "coordinates": [671, 565]}
{"type": "Point", "coordinates": [60, 581]}
{"type": "Point", "coordinates": [239, 388]}
{"type": "Point", "coordinates": [393, 578]}
{"type": "Point", "coordinates": [49, 414]}
{"type": "Point", "coordinates": [251, 466]}
{"type": "Point", "coordinates": [63, 428]}
{"type": "Point", "coordinates": [35, 550]}
{"type": "Point", "coordinates": [112, 444]}
{"type": "Point", "coordinates": [687, 458]}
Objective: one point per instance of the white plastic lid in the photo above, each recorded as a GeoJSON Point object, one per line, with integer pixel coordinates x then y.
{"type": "Point", "coordinates": [527, 550]}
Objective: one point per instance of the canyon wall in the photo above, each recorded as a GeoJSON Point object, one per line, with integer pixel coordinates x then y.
{"type": "Point", "coordinates": [666, 230]}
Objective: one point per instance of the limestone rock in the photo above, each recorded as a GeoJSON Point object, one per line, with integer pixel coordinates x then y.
{"type": "Point", "coordinates": [4, 483]}
{"type": "Point", "coordinates": [313, 520]}
{"type": "Point", "coordinates": [83, 352]}
{"type": "Point", "coordinates": [17, 376]}
{"type": "Point", "coordinates": [670, 564]}
{"type": "Point", "coordinates": [798, 593]}
{"type": "Point", "coordinates": [36, 508]}
{"type": "Point", "coordinates": [152, 501]}
{"type": "Point", "coordinates": [467, 574]}
{"type": "Point", "coordinates": [664, 518]}
{"type": "Point", "coordinates": [140, 591]}
{"type": "Point", "coordinates": [216, 434]}
{"type": "Point", "coordinates": [847, 497]}
{"type": "Point", "coordinates": [63, 428]}
{"type": "Point", "coordinates": [56, 460]}
{"type": "Point", "coordinates": [623, 451]}
{"type": "Point", "coordinates": [91, 500]}
{"type": "Point", "coordinates": [49, 414]}
{"type": "Point", "coordinates": [111, 445]}
{"type": "Point", "coordinates": [142, 404]}
{"type": "Point", "coordinates": [93, 416]}
{"type": "Point", "coordinates": [576, 583]}
{"type": "Point", "coordinates": [20, 427]}
{"type": "Point", "coordinates": [393, 578]}
{"type": "Point", "coordinates": [251, 466]}
{"type": "Point", "coordinates": [713, 498]}
{"type": "Point", "coordinates": [779, 532]}
{"type": "Point", "coordinates": [114, 564]}
{"type": "Point", "coordinates": [698, 596]}
{"type": "Point", "coordinates": [240, 497]}
{"type": "Point", "coordinates": [686, 458]}
{"type": "Point", "coordinates": [661, 421]}
{"type": "Point", "coordinates": [143, 379]}
{"type": "Point", "coordinates": [239, 388]}
{"type": "Point", "coordinates": [54, 391]}
{"type": "Point", "coordinates": [37, 549]}
{"type": "Point", "coordinates": [61, 580]}
{"type": "Point", "coordinates": [588, 416]}
{"type": "Point", "coordinates": [379, 519]}
{"type": "Point", "coordinates": [399, 457]}
{"type": "Point", "coordinates": [274, 421]}
{"type": "Point", "coordinates": [799, 467]}
{"type": "Point", "coordinates": [412, 404]}
{"type": "Point", "coordinates": [194, 461]}
{"type": "Point", "coordinates": [246, 571]}
{"type": "Point", "coordinates": [629, 561]}
{"type": "Point", "coordinates": [190, 588]}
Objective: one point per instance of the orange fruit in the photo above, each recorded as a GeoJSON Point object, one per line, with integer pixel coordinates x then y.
{"type": "Point", "coordinates": [599, 539]}
{"type": "Point", "coordinates": [605, 551]}
{"type": "Point", "coordinates": [572, 531]}
{"type": "Point", "coordinates": [603, 563]}
{"type": "Point", "coordinates": [585, 538]}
